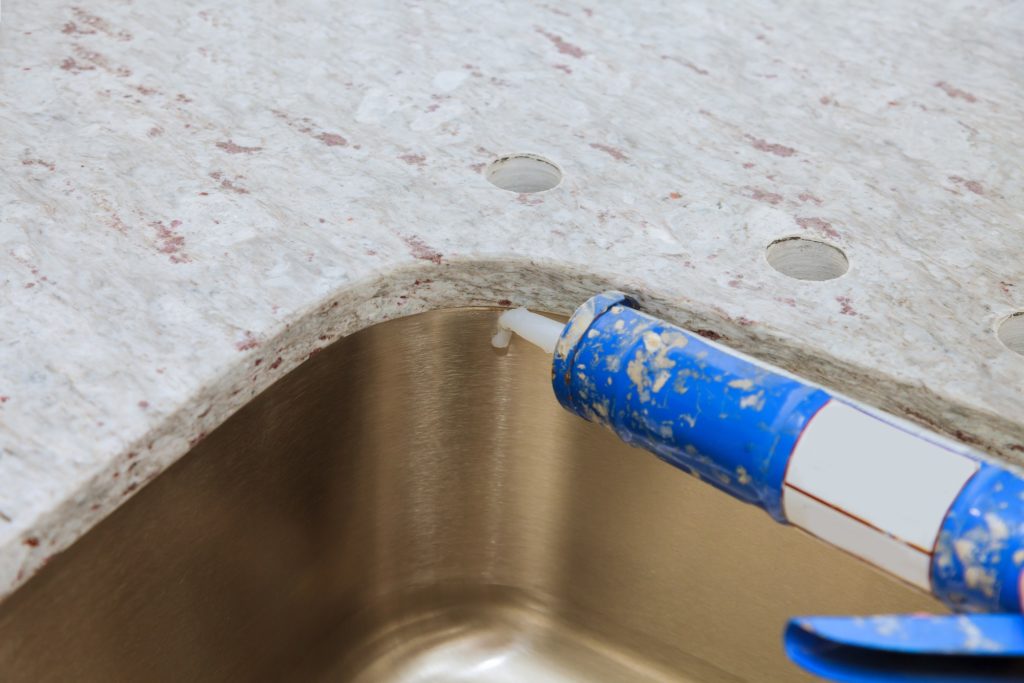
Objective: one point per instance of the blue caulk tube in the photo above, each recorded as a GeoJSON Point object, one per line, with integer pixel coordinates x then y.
{"type": "Point", "coordinates": [907, 500]}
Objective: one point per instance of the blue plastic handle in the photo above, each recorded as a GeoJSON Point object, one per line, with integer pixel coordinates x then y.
{"type": "Point", "coordinates": [910, 648]}
{"type": "Point", "coordinates": [736, 423]}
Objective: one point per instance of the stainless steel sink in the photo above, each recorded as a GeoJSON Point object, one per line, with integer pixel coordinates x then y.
{"type": "Point", "coordinates": [413, 505]}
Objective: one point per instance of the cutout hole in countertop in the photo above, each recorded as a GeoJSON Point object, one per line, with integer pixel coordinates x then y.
{"type": "Point", "coordinates": [806, 259]}
{"type": "Point", "coordinates": [1011, 332]}
{"type": "Point", "coordinates": [523, 173]}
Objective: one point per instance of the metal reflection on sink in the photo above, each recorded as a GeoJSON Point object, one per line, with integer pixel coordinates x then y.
{"type": "Point", "coordinates": [413, 505]}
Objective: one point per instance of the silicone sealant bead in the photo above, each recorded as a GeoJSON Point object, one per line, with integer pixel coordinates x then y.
{"type": "Point", "coordinates": [699, 406]}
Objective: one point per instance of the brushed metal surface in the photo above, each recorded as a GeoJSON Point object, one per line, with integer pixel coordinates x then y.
{"type": "Point", "coordinates": [412, 505]}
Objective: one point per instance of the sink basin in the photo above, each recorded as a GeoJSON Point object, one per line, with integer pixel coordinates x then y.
{"type": "Point", "coordinates": [413, 505]}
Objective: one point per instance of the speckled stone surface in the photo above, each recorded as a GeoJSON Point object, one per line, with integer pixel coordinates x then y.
{"type": "Point", "coordinates": [196, 196]}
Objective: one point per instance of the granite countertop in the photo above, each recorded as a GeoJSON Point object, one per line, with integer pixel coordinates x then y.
{"type": "Point", "coordinates": [197, 196]}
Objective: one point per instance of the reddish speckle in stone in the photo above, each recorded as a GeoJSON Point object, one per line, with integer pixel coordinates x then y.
{"type": "Point", "coordinates": [276, 364]}
{"type": "Point", "coordinates": [258, 362]}
{"type": "Point", "coordinates": [825, 99]}
{"type": "Point", "coordinates": [97, 60]}
{"type": "Point", "coordinates": [760, 195]}
{"type": "Point", "coordinates": [433, 107]}
{"type": "Point", "coordinates": [808, 197]}
{"type": "Point", "coordinates": [748, 165]}
{"type": "Point", "coordinates": [787, 300]}
{"type": "Point", "coordinates": [1005, 286]}
{"type": "Point", "coordinates": [966, 437]}
{"type": "Point", "coordinates": [183, 98]}
{"type": "Point", "coordinates": [736, 282]}
{"type": "Point", "coordinates": [132, 487]}
{"type": "Point", "coordinates": [556, 10]}
{"type": "Point", "coordinates": [846, 305]}
{"type": "Point", "coordinates": [674, 195]}
{"type": "Point", "coordinates": [420, 249]}
{"type": "Point", "coordinates": [146, 91]}
{"type": "Point", "coordinates": [1016, 447]}
{"type": "Point", "coordinates": [563, 67]}
{"type": "Point", "coordinates": [478, 168]}
{"type": "Point", "coordinates": [504, 302]}
{"type": "Point", "coordinates": [71, 29]}
{"type": "Point", "coordinates": [413, 159]}
{"type": "Point", "coordinates": [744, 322]}
{"type": "Point", "coordinates": [4, 399]}
{"type": "Point", "coordinates": [169, 242]}
{"type": "Point", "coordinates": [143, 405]}
{"type": "Point", "coordinates": [199, 437]}
{"type": "Point", "coordinates": [248, 342]}
{"type": "Point", "coordinates": [48, 165]}
{"type": "Point", "coordinates": [972, 185]}
{"type": "Point", "coordinates": [155, 131]}
{"type": "Point", "coordinates": [228, 185]}
{"type": "Point", "coordinates": [770, 147]}
{"type": "Point", "coordinates": [818, 224]}
{"type": "Point", "coordinates": [710, 334]}
{"type": "Point", "coordinates": [30, 285]}
{"type": "Point", "coordinates": [306, 126]}
{"type": "Point", "coordinates": [689, 65]}
{"type": "Point", "coordinates": [31, 542]}
{"type": "Point", "coordinates": [529, 200]}
{"type": "Point", "coordinates": [955, 93]}
{"type": "Point", "coordinates": [96, 24]}
{"type": "Point", "coordinates": [313, 353]}
{"type": "Point", "coordinates": [231, 148]}
{"type": "Point", "coordinates": [564, 47]}
{"type": "Point", "coordinates": [613, 152]}
{"type": "Point", "coordinates": [332, 139]}
{"type": "Point", "coordinates": [70, 65]}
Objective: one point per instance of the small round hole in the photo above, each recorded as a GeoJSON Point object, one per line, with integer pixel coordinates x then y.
{"type": "Point", "coordinates": [1011, 332]}
{"type": "Point", "coordinates": [523, 173]}
{"type": "Point", "coordinates": [806, 259]}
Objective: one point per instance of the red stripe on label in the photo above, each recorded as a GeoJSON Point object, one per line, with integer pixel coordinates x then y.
{"type": "Point", "coordinates": [858, 519]}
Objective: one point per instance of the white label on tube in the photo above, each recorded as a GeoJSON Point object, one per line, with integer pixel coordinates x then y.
{"type": "Point", "coordinates": [872, 488]}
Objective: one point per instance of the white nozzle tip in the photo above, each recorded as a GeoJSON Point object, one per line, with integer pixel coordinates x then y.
{"type": "Point", "coordinates": [534, 328]}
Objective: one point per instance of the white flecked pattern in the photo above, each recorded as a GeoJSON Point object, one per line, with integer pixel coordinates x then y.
{"type": "Point", "coordinates": [196, 195]}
